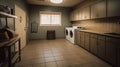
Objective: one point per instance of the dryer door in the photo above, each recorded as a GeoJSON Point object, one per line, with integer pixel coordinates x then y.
{"type": "Point", "coordinates": [71, 34]}
{"type": "Point", "coordinates": [66, 31]}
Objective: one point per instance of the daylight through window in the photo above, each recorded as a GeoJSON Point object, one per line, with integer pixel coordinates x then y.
{"type": "Point", "coordinates": [50, 18]}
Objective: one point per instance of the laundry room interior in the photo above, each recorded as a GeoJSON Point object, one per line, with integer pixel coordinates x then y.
{"type": "Point", "coordinates": [59, 33]}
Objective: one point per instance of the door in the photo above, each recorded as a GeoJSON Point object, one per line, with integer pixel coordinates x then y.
{"type": "Point", "coordinates": [78, 37]}
{"type": "Point", "coordinates": [113, 8]}
{"type": "Point", "coordinates": [86, 13]}
{"type": "Point", "coordinates": [20, 24]}
{"type": "Point", "coordinates": [93, 44]}
{"type": "Point", "coordinates": [101, 46]}
{"type": "Point", "coordinates": [82, 41]}
{"type": "Point", "coordinates": [87, 41]}
{"type": "Point", "coordinates": [111, 51]}
{"type": "Point", "coordinates": [98, 10]}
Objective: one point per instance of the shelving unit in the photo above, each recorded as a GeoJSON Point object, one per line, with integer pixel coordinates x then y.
{"type": "Point", "coordinates": [13, 55]}
{"type": "Point", "coordinates": [8, 48]}
{"type": "Point", "coordinates": [3, 14]}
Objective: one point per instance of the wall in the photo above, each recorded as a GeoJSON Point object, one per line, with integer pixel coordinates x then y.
{"type": "Point", "coordinates": [34, 17]}
{"type": "Point", "coordinates": [101, 25]}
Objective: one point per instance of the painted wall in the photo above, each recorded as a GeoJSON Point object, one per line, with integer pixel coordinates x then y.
{"type": "Point", "coordinates": [34, 17]}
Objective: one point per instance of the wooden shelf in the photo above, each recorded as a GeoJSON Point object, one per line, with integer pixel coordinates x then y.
{"type": "Point", "coordinates": [3, 14]}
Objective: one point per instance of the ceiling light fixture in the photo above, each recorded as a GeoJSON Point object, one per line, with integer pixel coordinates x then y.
{"type": "Point", "coordinates": [56, 1]}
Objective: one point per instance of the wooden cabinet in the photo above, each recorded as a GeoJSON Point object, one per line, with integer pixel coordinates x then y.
{"type": "Point", "coordinates": [85, 13]}
{"type": "Point", "coordinates": [98, 10]}
{"type": "Point", "coordinates": [78, 37]}
{"type": "Point", "coordinates": [93, 44]}
{"type": "Point", "coordinates": [82, 41]}
{"type": "Point", "coordinates": [74, 15]}
{"type": "Point", "coordinates": [80, 14]}
{"type": "Point", "coordinates": [87, 41]}
{"type": "Point", "coordinates": [113, 8]}
{"type": "Point", "coordinates": [111, 51]}
{"type": "Point", "coordinates": [101, 46]}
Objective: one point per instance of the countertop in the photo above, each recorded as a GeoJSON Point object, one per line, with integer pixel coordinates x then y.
{"type": "Point", "coordinates": [101, 33]}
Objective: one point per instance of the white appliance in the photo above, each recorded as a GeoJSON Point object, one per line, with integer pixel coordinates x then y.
{"type": "Point", "coordinates": [72, 34]}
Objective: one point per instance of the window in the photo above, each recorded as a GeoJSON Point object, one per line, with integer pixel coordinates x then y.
{"type": "Point", "coordinates": [50, 18]}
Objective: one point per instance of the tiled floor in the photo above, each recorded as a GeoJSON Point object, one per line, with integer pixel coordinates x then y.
{"type": "Point", "coordinates": [57, 53]}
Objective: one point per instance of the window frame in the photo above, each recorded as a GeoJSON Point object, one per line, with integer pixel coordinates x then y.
{"type": "Point", "coordinates": [50, 13]}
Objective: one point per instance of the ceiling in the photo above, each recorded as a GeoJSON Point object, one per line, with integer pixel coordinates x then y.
{"type": "Point", "coordinates": [66, 3]}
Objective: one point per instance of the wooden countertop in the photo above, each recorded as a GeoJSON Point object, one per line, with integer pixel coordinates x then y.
{"type": "Point", "coordinates": [101, 33]}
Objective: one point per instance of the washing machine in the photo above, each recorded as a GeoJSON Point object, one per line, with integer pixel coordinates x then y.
{"type": "Point", "coordinates": [72, 34]}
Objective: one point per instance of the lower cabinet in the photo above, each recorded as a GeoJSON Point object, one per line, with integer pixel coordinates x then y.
{"type": "Point", "coordinates": [82, 37]}
{"type": "Point", "coordinates": [111, 51]}
{"type": "Point", "coordinates": [78, 37]}
{"type": "Point", "coordinates": [101, 46]}
{"type": "Point", "coordinates": [118, 60]}
{"type": "Point", "coordinates": [93, 44]}
{"type": "Point", "coordinates": [87, 40]}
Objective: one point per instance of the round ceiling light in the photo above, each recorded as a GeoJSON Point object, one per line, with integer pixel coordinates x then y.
{"type": "Point", "coordinates": [56, 1]}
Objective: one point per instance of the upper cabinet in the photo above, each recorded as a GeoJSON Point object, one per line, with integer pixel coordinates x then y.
{"type": "Point", "coordinates": [85, 13]}
{"type": "Point", "coordinates": [98, 10]}
{"type": "Point", "coordinates": [74, 15]}
{"type": "Point", "coordinates": [80, 14]}
{"type": "Point", "coordinates": [113, 8]}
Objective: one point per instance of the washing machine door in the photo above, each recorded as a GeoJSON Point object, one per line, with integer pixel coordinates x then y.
{"type": "Point", "coordinates": [71, 34]}
{"type": "Point", "coordinates": [66, 31]}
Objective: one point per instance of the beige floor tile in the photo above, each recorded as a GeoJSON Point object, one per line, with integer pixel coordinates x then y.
{"type": "Point", "coordinates": [59, 58]}
{"type": "Point", "coordinates": [49, 59]}
{"type": "Point", "coordinates": [39, 65]}
{"type": "Point", "coordinates": [51, 64]}
{"type": "Point", "coordinates": [57, 53]}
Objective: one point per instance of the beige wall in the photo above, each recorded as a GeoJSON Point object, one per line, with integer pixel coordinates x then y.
{"type": "Point", "coordinates": [34, 11]}
{"type": "Point", "coordinates": [101, 25]}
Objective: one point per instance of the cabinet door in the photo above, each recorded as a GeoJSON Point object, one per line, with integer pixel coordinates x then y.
{"type": "Point", "coordinates": [79, 14]}
{"type": "Point", "coordinates": [101, 46]}
{"type": "Point", "coordinates": [82, 39]}
{"type": "Point", "coordinates": [113, 8]}
{"type": "Point", "coordinates": [118, 61]}
{"type": "Point", "coordinates": [87, 39]}
{"type": "Point", "coordinates": [72, 16]}
{"type": "Point", "coordinates": [98, 10]}
{"type": "Point", "coordinates": [86, 13]}
{"type": "Point", "coordinates": [93, 44]}
{"type": "Point", "coordinates": [111, 51]}
{"type": "Point", "coordinates": [76, 15]}
{"type": "Point", "coordinates": [78, 37]}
